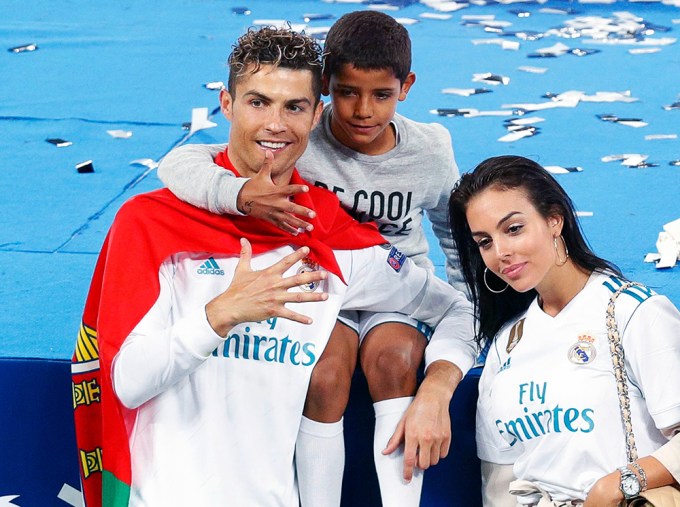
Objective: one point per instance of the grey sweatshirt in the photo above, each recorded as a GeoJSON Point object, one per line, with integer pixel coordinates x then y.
{"type": "Point", "coordinates": [392, 189]}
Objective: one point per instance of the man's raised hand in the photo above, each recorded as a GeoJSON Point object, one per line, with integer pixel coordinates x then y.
{"type": "Point", "coordinates": [263, 199]}
{"type": "Point", "coordinates": [259, 295]}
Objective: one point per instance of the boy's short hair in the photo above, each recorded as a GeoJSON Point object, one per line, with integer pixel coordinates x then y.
{"type": "Point", "coordinates": [280, 47]}
{"type": "Point", "coordinates": [369, 40]}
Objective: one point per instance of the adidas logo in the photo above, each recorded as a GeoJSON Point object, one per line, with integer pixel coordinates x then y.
{"type": "Point", "coordinates": [210, 267]}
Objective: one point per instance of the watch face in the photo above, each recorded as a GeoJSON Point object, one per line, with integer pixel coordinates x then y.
{"type": "Point", "coordinates": [630, 486]}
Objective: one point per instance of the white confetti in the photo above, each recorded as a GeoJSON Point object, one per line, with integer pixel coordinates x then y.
{"type": "Point", "coordinates": [643, 51]}
{"type": "Point", "coordinates": [660, 137]}
{"type": "Point", "coordinates": [120, 134]}
{"type": "Point", "coordinates": [532, 70]}
{"type": "Point", "coordinates": [71, 496]}
{"type": "Point", "coordinates": [199, 120]}
{"type": "Point", "coordinates": [434, 15]}
{"type": "Point", "coordinates": [512, 45]}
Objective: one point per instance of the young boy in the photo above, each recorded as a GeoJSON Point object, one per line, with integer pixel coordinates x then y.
{"type": "Point", "coordinates": [367, 155]}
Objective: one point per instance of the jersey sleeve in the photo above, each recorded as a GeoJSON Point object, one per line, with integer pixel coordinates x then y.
{"type": "Point", "coordinates": [192, 175]}
{"type": "Point", "coordinates": [439, 217]}
{"type": "Point", "coordinates": [651, 342]}
{"type": "Point", "coordinates": [669, 455]}
{"type": "Point", "coordinates": [385, 280]}
{"type": "Point", "coordinates": [157, 355]}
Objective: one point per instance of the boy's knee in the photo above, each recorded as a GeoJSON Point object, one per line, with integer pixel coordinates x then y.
{"type": "Point", "coordinates": [392, 365]}
{"type": "Point", "coordinates": [329, 378]}
{"type": "Point", "coordinates": [328, 392]}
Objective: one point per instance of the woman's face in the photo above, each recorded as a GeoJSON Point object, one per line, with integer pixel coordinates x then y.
{"type": "Point", "coordinates": [516, 242]}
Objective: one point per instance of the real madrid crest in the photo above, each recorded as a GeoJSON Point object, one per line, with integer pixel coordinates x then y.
{"type": "Point", "coordinates": [583, 351]}
{"type": "Point", "coordinates": [308, 266]}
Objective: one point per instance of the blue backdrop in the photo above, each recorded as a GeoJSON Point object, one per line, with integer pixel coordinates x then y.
{"type": "Point", "coordinates": [141, 67]}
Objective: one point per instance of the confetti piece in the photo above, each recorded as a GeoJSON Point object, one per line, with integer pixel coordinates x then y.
{"type": "Point", "coordinates": [533, 70]}
{"type": "Point", "coordinates": [120, 134]}
{"type": "Point", "coordinates": [316, 17]}
{"type": "Point", "coordinates": [26, 48]}
{"type": "Point", "coordinates": [85, 167]}
{"type": "Point", "coordinates": [214, 85]}
{"type": "Point", "coordinates": [556, 169]}
{"type": "Point", "coordinates": [660, 137]}
{"type": "Point", "coordinates": [489, 78]}
{"type": "Point", "coordinates": [58, 142]}
{"type": "Point", "coordinates": [199, 120]}
{"type": "Point", "coordinates": [505, 44]}
{"type": "Point", "coordinates": [465, 92]}
{"type": "Point", "coordinates": [434, 15]}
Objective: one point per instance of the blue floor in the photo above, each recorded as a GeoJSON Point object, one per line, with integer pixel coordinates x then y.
{"type": "Point", "coordinates": [131, 66]}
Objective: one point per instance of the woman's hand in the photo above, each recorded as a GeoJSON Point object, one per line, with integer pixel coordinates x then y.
{"type": "Point", "coordinates": [605, 492]}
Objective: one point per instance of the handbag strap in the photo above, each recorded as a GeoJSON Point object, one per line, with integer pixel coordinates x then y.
{"type": "Point", "coordinates": [618, 360]}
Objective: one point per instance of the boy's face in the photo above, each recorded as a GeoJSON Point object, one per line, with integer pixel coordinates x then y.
{"type": "Point", "coordinates": [273, 109]}
{"type": "Point", "coordinates": [364, 102]}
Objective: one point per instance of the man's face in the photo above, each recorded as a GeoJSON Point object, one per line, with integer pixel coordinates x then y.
{"type": "Point", "coordinates": [273, 109]}
{"type": "Point", "coordinates": [364, 102]}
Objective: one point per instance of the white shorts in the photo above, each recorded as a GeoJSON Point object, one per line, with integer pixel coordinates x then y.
{"type": "Point", "coordinates": [363, 322]}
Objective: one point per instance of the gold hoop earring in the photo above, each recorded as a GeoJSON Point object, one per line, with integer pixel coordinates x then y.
{"type": "Point", "coordinates": [560, 262]}
{"type": "Point", "coordinates": [487, 284]}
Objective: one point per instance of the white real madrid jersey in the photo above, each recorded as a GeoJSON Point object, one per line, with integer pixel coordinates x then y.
{"type": "Point", "coordinates": [218, 418]}
{"type": "Point", "coordinates": [548, 400]}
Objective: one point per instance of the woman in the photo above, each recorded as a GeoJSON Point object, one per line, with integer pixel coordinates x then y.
{"type": "Point", "coordinates": [548, 411]}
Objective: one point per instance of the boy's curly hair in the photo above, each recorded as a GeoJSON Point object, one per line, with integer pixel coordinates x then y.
{"type": "Point", "coordinates": [280, 47]}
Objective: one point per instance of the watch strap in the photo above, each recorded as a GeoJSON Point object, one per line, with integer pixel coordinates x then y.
{"type": "Point", "coordinates": [641, 475]}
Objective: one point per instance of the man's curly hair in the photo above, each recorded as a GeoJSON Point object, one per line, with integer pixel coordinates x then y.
{"type": "Point", "coordinates": [280, 47]}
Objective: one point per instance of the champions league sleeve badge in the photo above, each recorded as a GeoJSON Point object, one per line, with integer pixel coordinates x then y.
{"type": "Point", "coordinates": [308, 266]}
{"type": "Point", "coordinates": [396, 259]}
{"type": "Point", "coordinates": [583, 351]}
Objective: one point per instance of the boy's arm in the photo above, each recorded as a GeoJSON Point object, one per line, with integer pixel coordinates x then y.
{"type": "Point", "coordinates": [191, 174]}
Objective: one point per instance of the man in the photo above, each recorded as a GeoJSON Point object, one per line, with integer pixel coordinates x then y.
{"type": "Point", "coordinates": [367, 154]}
{"type": "Point", "coordinates": [204, 360]}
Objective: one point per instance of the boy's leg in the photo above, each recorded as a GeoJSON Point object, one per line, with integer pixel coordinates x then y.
{"type": "Point", "coordinates": [320, 446]}
{"type": "Point", "coordinates": [391, 354]}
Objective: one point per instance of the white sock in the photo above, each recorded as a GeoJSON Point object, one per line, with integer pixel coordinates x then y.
{"type": "Point", "coordinates": [394, 491]}
{"type": "Point", "coordinates": [320, 462]}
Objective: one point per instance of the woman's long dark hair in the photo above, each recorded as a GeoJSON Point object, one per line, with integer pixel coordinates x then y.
{"type": "Point", "coordinates": [549, 198]}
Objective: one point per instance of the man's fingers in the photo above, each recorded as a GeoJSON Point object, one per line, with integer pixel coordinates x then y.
{"type": "Point", "coordinates": [287, 227]}
{"type": "Point", "coordinates": [266, 168]}
{"type": "Point", "coordinates": [288, 222]}
{"type": "Point", "coordinates": [294, 316]}
{"type": "Point", "coordinates": [297, 209]}
{"type": "Point", "coordinates": [294, 225]}
{"type": "Point", "coordinates": [284, 264]}
{"type": "Point", "coordinates": [303, 280]}
{"type": "Point", "coordinates": [395, 440]}
{"type": "Point", "coordinates": [245, 256]}
{"type": "Point", "coordinates": [445, 447]}
{"type": "Point", "coordinates": [286, 296]}
{"type": "Point", "coordinates": [410, 458]}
